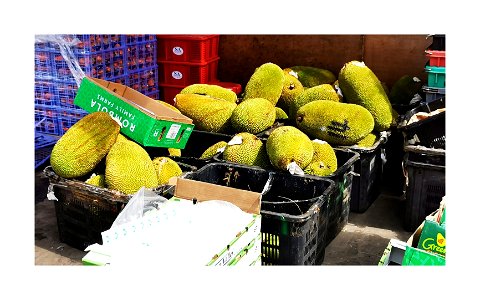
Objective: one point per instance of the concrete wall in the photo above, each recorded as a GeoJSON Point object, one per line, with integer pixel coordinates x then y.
{"type": "Point", "coordinates": [389, 56]}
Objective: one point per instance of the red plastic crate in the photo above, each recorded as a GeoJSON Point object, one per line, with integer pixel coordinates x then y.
{"type": "Point", "coordinates": [168, 92]}
{"type": "Point", "coordinates": [183, 74]}
{"type": "Point", "coordinates": [235, 87]}
{"type": "Point", "coordinates": [187, 48]}
{"type": "Point", "coordinates": [436, 58]}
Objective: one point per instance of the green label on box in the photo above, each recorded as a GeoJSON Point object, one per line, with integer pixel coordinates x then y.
{"type": "Point", "coordinates": [136, 124]}
{"type": "Point", "coordinates": [433, 238]}
{"type": "Point", "coordinates": [418, 257]}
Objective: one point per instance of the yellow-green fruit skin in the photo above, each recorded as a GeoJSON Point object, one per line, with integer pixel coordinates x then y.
{"type": "Point", "coordinates": [292, 87]}
{"type": "Point", "coordinates": [312, 76]}
{"type": "Point", "coordinates": [207, 113]}
{"type": "Point", "coordinates": [317, 168]}
{"type": "Point", "coordinates": [288, 144]}
{"type": "Point", "coordinates": [212, 150]}
{"type": "Point", "coordinates": [166, 168]}
{"type": "Point", "coordinates": [174, 152]}
{"type": "Point", "coordinates": [84, 145]}
{"type": "Point", "coordinates": [361, 86]}
{"type": "Point", "coordinates": [266, 82]}
{"type": "Point", "coordinates": [250, 152]}
{"type": "Point", "coordinates": [211, 90]}
{"type": "Point", "coordinates": [97, 180]}
{"type": "Point", "coordinates": [128, 167]}
{"type": "Point", "coordinates": [404, 89]}
{"type": "Point", "coordinates": [280, 114]}
{"type": "Point", "coordinates": [335, 122]}
{"type": "Point", "coordinates": [253, 115]}
{"type": "Point", "coordinates": [324, 152]}
{"type": "Point", "coordinates": [319, 92]}
{"type": "Point", "coordinates": [368, 141]}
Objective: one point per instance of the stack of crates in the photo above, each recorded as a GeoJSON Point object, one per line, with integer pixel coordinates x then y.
{"type": "Point", "coordinates": [125, 59]}
{"type": "Point", "coordinates": [435, 69]}
{"type": "Point", "coordinates": [184, 60]}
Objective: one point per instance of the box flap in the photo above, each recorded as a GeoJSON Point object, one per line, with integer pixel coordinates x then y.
{"type": "Point", "coordinates": [247, 201]}
{"type": "Point", "coordinates": [142, 102]}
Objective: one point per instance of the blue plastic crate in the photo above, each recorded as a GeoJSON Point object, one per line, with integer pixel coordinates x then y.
{"type": "Point", "coordinates": [153, 95]}
{"type": "Point", "coordinates": [91, 43]}
{"type": "Point", "coordinates": [43, 63]}
{"type": "Point", "coordinates": [145, 80]}
{"type": "Point", "coordinates": [46, 119]}
{"type": "Point", "coordinates": [44, 140]}
{"type": "Point", "coordinates": [45, 92]}
{"type": "Point", "coordinates": [68, 117]}
{"type": "Point", "coordinates": [142, 55]}
{"type": "Point", "coordinates": [139, 38]}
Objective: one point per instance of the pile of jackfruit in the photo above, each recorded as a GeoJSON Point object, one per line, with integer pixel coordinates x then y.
{"type": "Point", "coordinates": [320, 110]}
{"type": "Point", "coordinates": [94, 143]}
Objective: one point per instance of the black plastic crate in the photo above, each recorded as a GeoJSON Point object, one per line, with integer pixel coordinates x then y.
{"type": "Point", "coordinates": [393, 180]}
{"type": "Point", "coordinates": [84, 211]}
{"type": "Point", "coordinates": [367, 186]}
{"type": "Point", "coordinates": [295, 219]}
{"type": "Point", "coordinates": [425, 188]}
{"type": "Point", "coordinates": [438, 42]}
{"type": "Point", "coordinates": [428, 131]}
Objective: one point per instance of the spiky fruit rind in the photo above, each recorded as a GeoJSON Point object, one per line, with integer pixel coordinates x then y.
{"type": "Point", "coordinates": [166, 168]}
{"type": "Point", "coordinates": [287, 144]}
{"type": "Point", "coordinates": [324, 152]}
{"type": "Point", "coordinates": [211, 90]}
{"type": "Point", "coordinates": [312, 76]}
{"type": "Point", "coordinates": [266, 82]}
{"type": "Point", "coordinates": [319, 92]}
{"type": "Point", "coordinates": [250, 152]}
{"type": "Point", "coordinates": [212, 150]}
{"type": "Point", "coordinates": [253, 115]}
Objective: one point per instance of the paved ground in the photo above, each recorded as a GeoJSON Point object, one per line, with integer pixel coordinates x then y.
{"type": "Point", "coordinates": [361, 242]}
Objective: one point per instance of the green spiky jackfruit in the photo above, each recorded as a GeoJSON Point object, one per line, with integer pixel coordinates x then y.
{"type": "Point", "coordinates": [368, 141]}
{"type": "Point", "coordinates": [213, 149]}
{"type": "Point", "coordinates": [166, 168]}
{"type": "Point", "coordinates": [317, 168]}
{"type": "Point", "coordinates": [323, 152]}
{"type": "Point", "coordinates": [168, 105]}
{"type": "Point", "coordinates": [97, 180]}
{"type": "Point", "coordinates": [251, 151]}
{"type": "Point", "coordinates": [385, 87]}
{"type": "Point", "coordinates": [211, 90]}
{"type": "Point", "coordinates": [335, 122]}
{"type": "Point", "coordinates": [84, 145]}
{"type": "Point", "coordinates": [121, 138]}
{"type": "Point", "coordinates": [361, 86]}
{"type": "Point", "coordinates": [174, 152]}
{"type": "Point", "coordinates": [404, 89]}
{"type": "Point", "coordinates": [209, 114]}
{"type": "Point", "coordinates": [312, 76]}
{"type": "Point", "coordinates": [266, 82]}
{"type": "Point", "coordinates": [292, 87]}
{"type": "Point", "coordinates": [319, 92]}
{"type": "Point", "coordinates": [128, 167]}
{"type": "Point", "coordinates": [287, 144]}
{"type": "Point", "coordinates": [253, 115]}
{"type": "Point", "coordinates": [280, 114]}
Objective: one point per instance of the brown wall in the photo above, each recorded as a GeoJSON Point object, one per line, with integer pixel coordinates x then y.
{"type": "Point", "coordinates": [389, 56]}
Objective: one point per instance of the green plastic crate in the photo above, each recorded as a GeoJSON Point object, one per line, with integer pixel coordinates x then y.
{"type": "Point", "coordinates": [435, 76]}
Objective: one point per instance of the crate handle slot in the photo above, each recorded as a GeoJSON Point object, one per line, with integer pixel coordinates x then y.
{"type": "Point", "coordinates": [180, 136]}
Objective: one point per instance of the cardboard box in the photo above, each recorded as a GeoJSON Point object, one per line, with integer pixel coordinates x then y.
{"type": "Point", "coordinates": [393, 253]}
{"type": "Point", "coordinates": [142, 118]}
{"type": "Point", "coordinates": [248, 255]}
{"type": "Point", "coordinates": [187, 191]}
{"type": "Point", "coordinates": [433, 238]}
{"type": "Point", "coordinates": [418, 257]}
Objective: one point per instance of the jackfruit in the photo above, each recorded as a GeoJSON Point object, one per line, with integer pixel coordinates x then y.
{"type": "Point", "coordinates": [128, 167]}
{"type": "Point", "coordinates": [292, 87]}
{"type": "Point", "coordinates": [211, 90]}
{"type": "Point", "coordinates": [323, 152]}
{"type": "Point", "coordinates": [266, 82]}
{"type": "Point", "coordinates": [213, 149]}
{"type": "Point", "coordinates": [97, 180]}
{"type": "Point", "coordinates": [368, 141]}
{"type": "Point", "coordinates": [337, 89]}
{"type": "Point", "coordinates": [249, 150]}
{"type": "Point", "coordinates": [84, 145]}
{"type": "Point", "coordinates": [319, 92]}
{"type": "Point", "coordinates": [312, 76]}
{"type": "Point", "coordinates": [280, 114]}
{"type": "Point", "coordinates": [361, 86]}
{"type": "Point", "coordinates": [335, 122]}
{"type": "Point", "coordinates": [385, 87]}
{"type": "Point", "coordinates": [121, 138]}
{"type": "Point", "coordinates": [207, 113]}
{"type": "Point", "coordinates": [166, 168]}
{"type": "Point", "coordinates": [317, 168]}
{"type": "Point", "coordinates": [174, 152]}
{"type": "Point", "coordinates": [168, 105]}
{"type": "Point", "coordinates": [253, 115]}
{"type": "Point", "coordinates": [404, 89]}
{"type": "Point", "coordinates": [287, 144]}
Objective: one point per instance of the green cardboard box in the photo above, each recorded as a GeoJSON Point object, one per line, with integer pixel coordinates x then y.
{"type": "Point", "coordinates": [418, 257]}
{"type": "Point", "coordinates": [432, 238]}
{"type": "Point", "coordinates": [142, 118]}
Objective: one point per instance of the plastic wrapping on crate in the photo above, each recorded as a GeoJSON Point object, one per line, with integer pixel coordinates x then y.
{"type": "Point", "coordinates": [145, 80]}
{"type": "Point", "coordinates": [45, 93]}
{"type": "Point", "coordinates": [187, 48]}
{"type": "Point", "coordinates": [184, 74]}
{"type": "Point", "coordinates": [46, 120]}
{"type": "Point", "coordinates": [141, 55]}
{"type": "Point", "coordinates": [43, 63]}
